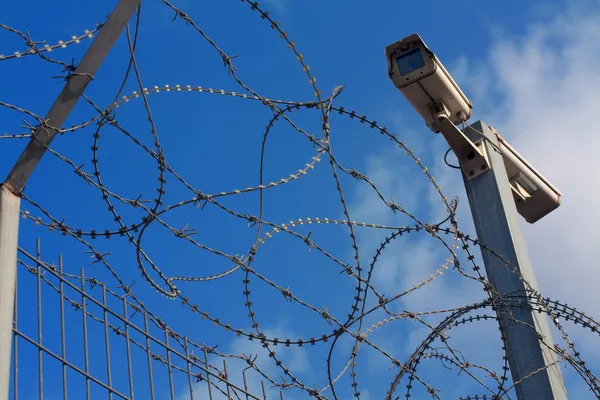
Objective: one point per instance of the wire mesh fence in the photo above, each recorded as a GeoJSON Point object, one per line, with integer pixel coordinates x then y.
{"type": "Point", "coordinates": [90, 342]}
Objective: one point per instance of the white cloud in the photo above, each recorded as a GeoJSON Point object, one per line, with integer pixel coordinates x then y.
{"type": "Point", "coordinates": [279, 6]}
{"type": "Point", "coordinates": [540, 91]}
{"type": "Point", "coordinates": [549, 83]}
{"type": "Point", "coordinates": [294, 358]}
{"type": "Point", "coordinates": [388, 172]}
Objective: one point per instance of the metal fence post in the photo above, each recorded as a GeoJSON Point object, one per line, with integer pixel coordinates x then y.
{"type": "Point", "coordinates": [70, 94]}
{"type": "Point", "coordinates": [9, 237]}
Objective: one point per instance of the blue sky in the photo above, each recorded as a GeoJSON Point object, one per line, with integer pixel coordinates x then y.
{"type": "Point", "coordinates": [528, 67]}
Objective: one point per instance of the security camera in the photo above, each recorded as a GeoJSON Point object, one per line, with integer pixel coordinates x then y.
{"type": "Point", "coordinates": [430, 89]}
{"type": "Point", "coordinates": [534, 196]}
{"type": "Point", "coordinates": [425, 83]}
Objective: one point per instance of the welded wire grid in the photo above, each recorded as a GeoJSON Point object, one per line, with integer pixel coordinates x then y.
{"type": "Point", "coordinates": [109, 330]}
{"type": "Point", "coordinates": [96, 326]}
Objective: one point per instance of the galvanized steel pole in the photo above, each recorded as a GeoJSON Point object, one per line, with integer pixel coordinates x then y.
{"type": "Point", "coordinates": [498, 228]}
{"type": "Point", "coordinates": [12, 188]}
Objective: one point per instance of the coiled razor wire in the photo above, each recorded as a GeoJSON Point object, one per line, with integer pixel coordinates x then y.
{"type": "Point", "coordinates": [357, 325]}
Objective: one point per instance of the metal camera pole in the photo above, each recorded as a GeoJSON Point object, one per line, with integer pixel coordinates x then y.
{"type": "Point", "coordinates": [11, 189]}
{"type": "Point", "coordinates": [485, 161]}
{"type": "Point", "coordinates": [498, 228]}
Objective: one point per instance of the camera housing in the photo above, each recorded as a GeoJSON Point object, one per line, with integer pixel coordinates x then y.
{"type": "Point", "coordinates": [426, 84]}
{"type": "Point", "coordinates": [534, 196]}
{"type": "Point", "coordinates": [429, 88]}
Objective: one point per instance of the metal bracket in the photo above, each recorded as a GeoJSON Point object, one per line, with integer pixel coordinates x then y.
{"type": "Point", "coordinates": [472, 157]}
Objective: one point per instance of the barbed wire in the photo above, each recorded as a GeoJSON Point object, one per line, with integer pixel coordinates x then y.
{"type": "Point", "coordinates": [370, 309]}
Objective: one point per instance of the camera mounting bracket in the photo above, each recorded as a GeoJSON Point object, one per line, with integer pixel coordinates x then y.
{"type": "Point", "coordinates": [472, 156]}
